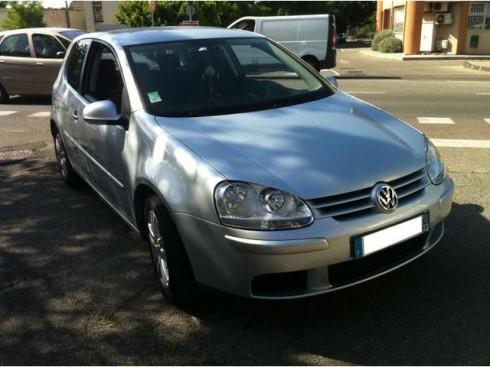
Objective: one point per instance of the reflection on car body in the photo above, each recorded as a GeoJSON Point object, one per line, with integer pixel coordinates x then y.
{"type": "Point", "coordinates": [245, 170]}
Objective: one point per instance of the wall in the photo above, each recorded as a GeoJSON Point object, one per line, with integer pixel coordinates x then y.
{"type": "Point", "coordinates": [109, 9]}
{"type": "Point", "coordinates": [483, 44]}
{"type": "Point", "coordinates": [447, 31]}
{"type": "Point", "coordinates": [57, 18]}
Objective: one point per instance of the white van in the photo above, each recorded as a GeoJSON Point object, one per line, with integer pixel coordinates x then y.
{"type": "Point", "coordinates": [311, 37]}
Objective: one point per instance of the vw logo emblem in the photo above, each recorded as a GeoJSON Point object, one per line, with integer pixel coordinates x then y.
{"type": "Point", "coordinates": [384, 197]}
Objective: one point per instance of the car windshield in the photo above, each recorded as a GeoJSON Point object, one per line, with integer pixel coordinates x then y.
{"type": "Point", "coordinates": [71, 34]}
{"type": "Point", "coordinates": [219, 76]}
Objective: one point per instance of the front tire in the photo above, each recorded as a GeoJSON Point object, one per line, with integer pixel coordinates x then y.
{"type": "Point", "coordinates": [68, 174]}
{"type": "Point", "coordinates": [170, 261]}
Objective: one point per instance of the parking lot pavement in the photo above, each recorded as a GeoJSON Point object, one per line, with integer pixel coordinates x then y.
{"type": "Point", "coordinates": [76, 286]}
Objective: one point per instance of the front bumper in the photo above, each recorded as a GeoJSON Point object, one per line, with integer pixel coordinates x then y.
{"type": "Point", "coordinates": [302, 262]}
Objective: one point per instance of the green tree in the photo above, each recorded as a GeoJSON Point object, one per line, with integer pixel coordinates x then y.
{"type": "Point", "coordinates": [222, 13]}
{"type": "Point", "coordinates": [22, 14]}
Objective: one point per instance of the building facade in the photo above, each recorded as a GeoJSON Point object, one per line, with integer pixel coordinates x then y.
{"type": "Point", "coordinates": [451, 27]}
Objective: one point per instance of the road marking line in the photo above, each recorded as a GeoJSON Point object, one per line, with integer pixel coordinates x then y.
{"type": "Point", "coordinates": [483, 93]}
{"type": "Point", "coordinates": [487, 120]}
{"type": "Point", "coordinates": [435, 120]}
{"type": "Point", "coordinates": [461, 143]}
{"type": "Point", "coordinates": [7, 113]}
{"type": "Point", "coordinates": [41, 114]}
{"type": "Point", "coordinates": [363, 92]}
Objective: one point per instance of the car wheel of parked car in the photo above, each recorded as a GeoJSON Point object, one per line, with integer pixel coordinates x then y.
{"type": "Point", "coordinates": [4, 97]}
{"type": "Point", "coordinates": [65, 168]}
{"type": "Point", "coordinates": [313, 62]}
{"type": "Point", "coordinates": [170, 260]}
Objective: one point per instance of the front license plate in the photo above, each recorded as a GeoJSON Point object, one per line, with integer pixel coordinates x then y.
{"type": "Point", "coordinates": [390, 236]}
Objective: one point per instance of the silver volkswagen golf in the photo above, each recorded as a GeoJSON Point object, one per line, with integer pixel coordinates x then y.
{"type": "Point", "coordinates": [242, 167]}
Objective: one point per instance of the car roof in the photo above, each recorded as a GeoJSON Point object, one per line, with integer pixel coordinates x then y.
{"type": "Point", "coordinates": [40, 30]}
{"type": "Point", "coordinates": [286, 17]}
{"type": "Point", "coordinates": [135, 36]}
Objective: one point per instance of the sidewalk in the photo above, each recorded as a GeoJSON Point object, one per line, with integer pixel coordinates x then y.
{"type": "Point", "coordinates": [403, 57]}
{"type": "Point", "coordinates": [477, 65]}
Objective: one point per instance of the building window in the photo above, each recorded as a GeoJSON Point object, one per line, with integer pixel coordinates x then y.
{"type": "Point", "coordinates": [479, 17]}
{"type": "Point", "coordinates": [98, 14]}
{"type": "Point", "coordinates": [398, 19]}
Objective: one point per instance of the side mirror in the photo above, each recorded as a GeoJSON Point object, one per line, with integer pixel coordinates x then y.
{"type": "Point", "coordinates": [103, 113]}
{"type": "Point", "coordinates": [60, 54]}
{"type": "Point", "coordinates": [332, 81]}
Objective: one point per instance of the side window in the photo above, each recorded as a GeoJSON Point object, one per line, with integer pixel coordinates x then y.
{"type": "Point", "coordinates": [47, 47]}
{"type": "Point", "coordinates": [246, 25]}
{"type": "Point", "coordinates": [74, 63]}
{"type": "Point", "coordinates": [103, 79]}
{"type": "Point", "coordinates": [15, 45]}
{"type": "Point", "coordinates": [65, 42]}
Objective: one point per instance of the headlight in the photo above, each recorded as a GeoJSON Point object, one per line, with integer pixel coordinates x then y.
{"type": "Point", "coordinates": [252, 206]}
{"type": "Point", "coordinates": [435, 167]}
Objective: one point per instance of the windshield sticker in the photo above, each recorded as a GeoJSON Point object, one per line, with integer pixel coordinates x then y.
{"type": "Point", "coordinates": [154, 97]}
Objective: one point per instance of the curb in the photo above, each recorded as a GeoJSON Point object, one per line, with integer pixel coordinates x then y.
{"type": "Point", "coordinates": [381, 55]}
{"type": "Point", "coordinates": [469, 65]}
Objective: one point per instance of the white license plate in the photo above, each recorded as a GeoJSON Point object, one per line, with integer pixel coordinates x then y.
{"type": "Point", "coordinates": [390, 236]}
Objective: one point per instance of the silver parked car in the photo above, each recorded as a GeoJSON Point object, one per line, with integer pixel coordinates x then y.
{"type": "Point", "coordinates": [244, 169]}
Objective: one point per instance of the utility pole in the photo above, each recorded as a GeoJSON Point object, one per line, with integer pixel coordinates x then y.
{"type": "Point", "coordinates": [67, 15]}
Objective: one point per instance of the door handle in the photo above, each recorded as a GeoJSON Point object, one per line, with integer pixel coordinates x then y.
{"type": "Point", "coordinates": [2, 61]}
{"type": "Point", "coordinates": [40, 63]}
{"type": "Point", "coordinates": [75, 115]}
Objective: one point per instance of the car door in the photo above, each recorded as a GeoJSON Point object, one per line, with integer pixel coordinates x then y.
{"type": "Point", "coordinates": [104, 144]}
{"type": "Point", "coordinates": [18, 69]}
{"type": "Point", "coordinates": [67, 101]}
{"type": "Point", "coordinates": [49, 54]}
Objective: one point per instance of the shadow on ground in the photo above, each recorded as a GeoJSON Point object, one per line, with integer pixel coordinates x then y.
{"type": "Point", "coordinates": [30, 100]}
{"type": "Point", "coordinates": [76, 287]}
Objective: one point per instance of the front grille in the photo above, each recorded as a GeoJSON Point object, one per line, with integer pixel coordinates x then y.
{"type": "Point", "coordinates": [355, 270]}
{"type": "Point", "coordinates": [356, 203]}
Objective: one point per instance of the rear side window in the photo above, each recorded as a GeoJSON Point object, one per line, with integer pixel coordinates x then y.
{"type": "Point", "coordinates": [47, 47]}
{"type": "Point", "coordinates": [74, 63]}
{"type": "Point", "coordinates": [15, 45]}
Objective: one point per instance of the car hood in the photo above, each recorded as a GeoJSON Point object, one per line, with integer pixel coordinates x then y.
{"type": "Point", "coordinates": [325, 147]}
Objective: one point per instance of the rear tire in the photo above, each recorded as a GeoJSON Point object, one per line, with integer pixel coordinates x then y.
{"type": "Point", "coordinates": [170, 261]}
{"type": "Point", "coordinates": [68, 174]}
{"type": "Point", "coordinates": [4, 97]}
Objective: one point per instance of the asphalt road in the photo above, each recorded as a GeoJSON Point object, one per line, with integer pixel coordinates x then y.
{"type": "Point", "coordinates": [76, 286]}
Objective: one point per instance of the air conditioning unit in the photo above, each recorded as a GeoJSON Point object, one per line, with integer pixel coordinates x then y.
{"type": "Point", "coordinates": [440, 6]}
{"type": "Point", "coordinates": [444, 18]}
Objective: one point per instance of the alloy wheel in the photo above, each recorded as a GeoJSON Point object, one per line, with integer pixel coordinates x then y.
{"type": "Point", "coordinates": [61, 156]}
{"type": "Point", "coordinates": [158, 252]}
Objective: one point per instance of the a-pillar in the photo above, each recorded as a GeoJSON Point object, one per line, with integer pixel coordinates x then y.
{"type": "Point", "coordinates": [413, 27]}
